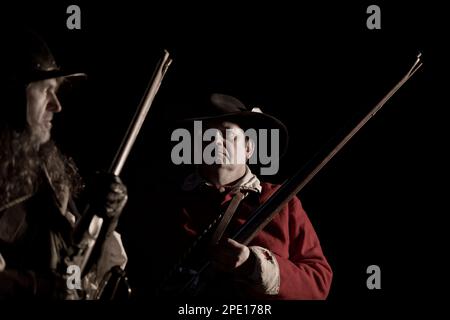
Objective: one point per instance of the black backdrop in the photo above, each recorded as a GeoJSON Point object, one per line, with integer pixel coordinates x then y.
{"type": "Point", "coordinates": [316, 67]}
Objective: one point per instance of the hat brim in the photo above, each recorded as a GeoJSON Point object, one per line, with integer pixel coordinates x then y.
{"type": "Point", "coordinates": [249, 120]}
{"type": "Point", "coordinates": [50, 74]}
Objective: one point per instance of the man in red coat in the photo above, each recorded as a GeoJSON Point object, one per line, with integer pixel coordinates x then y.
{"type": "Point", "coordinates": [285, 259]}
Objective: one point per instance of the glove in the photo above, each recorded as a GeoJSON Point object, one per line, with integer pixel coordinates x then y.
{"type": "Point", "coordinates": [107, 195]}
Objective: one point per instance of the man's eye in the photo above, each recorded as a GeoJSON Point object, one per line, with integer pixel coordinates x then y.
{"type": "Point", "coordinates": [231, 137]}
{"type": "Point", "coordinates": [39, 88]}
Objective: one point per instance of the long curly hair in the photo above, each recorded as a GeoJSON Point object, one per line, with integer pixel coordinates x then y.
{"type": "Point", "coordinates": [21, 164]}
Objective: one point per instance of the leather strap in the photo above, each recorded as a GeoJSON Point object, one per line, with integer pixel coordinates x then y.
{"type": "Point", "coordinates": [218, 233]}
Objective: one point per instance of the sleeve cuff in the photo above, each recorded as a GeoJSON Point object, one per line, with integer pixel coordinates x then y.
{"type": "Point", "coordinates": [266, 275]}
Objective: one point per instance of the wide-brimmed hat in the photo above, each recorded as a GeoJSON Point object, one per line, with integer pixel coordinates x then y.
{"type": "Point", "coordinates": [28, 58]}
{"type": "Point", "coordinates": [225, 107]}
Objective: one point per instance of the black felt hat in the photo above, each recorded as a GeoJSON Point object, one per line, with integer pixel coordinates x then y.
{"type": "Point", "coordinates": [225, 107]}
{"type": "Point", "coordinates": [27, 58]}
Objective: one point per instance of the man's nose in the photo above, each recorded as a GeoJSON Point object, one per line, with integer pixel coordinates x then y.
{"type": "Point", "coordinates": [218, 137]}
{"type": "Point", "coordinates": [54, 105]}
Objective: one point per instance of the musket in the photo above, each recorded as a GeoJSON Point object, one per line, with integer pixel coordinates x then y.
{"type": "Point", "coordinates": [289, 189]}
{"type": "Point", "coordinates": [91, 230]}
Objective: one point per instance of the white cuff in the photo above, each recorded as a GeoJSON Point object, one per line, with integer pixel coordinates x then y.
{"type": "Point", "coordinates": [266, 276]}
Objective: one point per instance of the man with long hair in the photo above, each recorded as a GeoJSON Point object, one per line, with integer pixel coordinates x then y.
{"type": "Point", "coordinates": [37, 182]}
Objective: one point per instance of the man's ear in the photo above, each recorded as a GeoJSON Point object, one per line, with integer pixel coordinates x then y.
{"type": "Point", "coordinates": [249, 147]}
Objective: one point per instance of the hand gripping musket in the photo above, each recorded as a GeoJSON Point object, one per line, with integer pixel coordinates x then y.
{"type": "Point", "coordinates": [90, 232]}
{"type": "Point", "coordinates": [269, 209]}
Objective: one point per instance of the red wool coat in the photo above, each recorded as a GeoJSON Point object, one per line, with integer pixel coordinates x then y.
{"type": "Point", "coordinates": [290, 236]}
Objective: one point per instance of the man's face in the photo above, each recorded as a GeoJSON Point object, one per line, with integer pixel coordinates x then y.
{"type": "Point", "coordinates": [232, 146]}
{"type": "Point", "coordinates": [42, 103]}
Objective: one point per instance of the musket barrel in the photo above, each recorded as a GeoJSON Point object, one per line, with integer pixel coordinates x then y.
{"type": "Point", "coordinates": [266, 212]}
{"type": "Point", "coordinates": [85, 240]}
{"type": "Point", "coordinates": [140, 115]}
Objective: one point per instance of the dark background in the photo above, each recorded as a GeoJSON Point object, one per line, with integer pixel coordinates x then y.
{"type": "Point", "coordinates": [314, 66]}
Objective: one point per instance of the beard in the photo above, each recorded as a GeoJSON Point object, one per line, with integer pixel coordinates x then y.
{"type": "Point", "coordinates": [22, 162]}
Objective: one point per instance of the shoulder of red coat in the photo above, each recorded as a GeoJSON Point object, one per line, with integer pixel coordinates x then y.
{"type": "Point", "coordinates": [269, 188]}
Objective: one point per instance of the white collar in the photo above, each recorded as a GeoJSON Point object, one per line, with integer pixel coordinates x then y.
{"type": "Point", "coordinates": [248, 182]}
